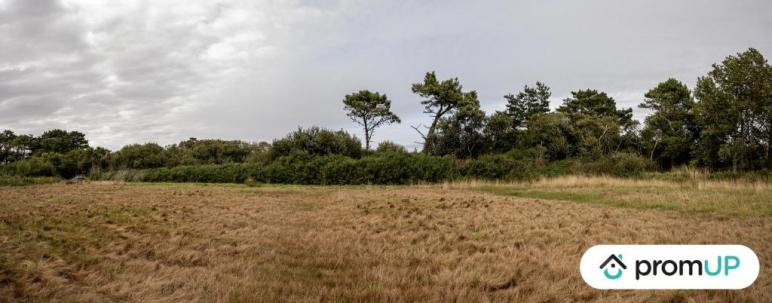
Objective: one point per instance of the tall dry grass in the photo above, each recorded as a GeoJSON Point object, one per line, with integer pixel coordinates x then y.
{"type": "Point", "coordinates": [187, 243]}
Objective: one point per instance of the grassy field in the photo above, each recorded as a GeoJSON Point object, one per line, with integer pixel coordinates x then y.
{"type": "Point", "coordinates": [103, 242]}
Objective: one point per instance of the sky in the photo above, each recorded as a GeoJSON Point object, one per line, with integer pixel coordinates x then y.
{"type": "Point", "coordinates": [166, 70]}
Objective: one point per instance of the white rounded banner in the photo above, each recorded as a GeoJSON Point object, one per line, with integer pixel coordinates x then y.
{"type": "Point", "coordinates": [669, 266]}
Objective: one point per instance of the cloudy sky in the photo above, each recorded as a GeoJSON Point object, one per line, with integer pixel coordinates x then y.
{"type": "Point", "coordinates": [162, 71]}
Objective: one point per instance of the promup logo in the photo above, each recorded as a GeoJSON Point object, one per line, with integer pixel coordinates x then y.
{"type": "Point", "coordinates": [669, 266]}
{"type": "Point", "coordinates": [613, 261]}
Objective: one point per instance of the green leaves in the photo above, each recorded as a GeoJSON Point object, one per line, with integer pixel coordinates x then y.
{"type": "Point", "coordinates": [670, 131]}
{"type": "Point", "coordinates": [527, 103]}
{"type": "Point", "coordinates": [597, 104]}
{"type": "Point", "coordinates": [443, 98]}
{"type": "Point", "coordinates": [735, 113]}
{"type": "Point", "coordinates": [370, 110]}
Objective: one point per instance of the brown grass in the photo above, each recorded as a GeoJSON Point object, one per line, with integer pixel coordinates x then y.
{"type": "Point", "coordinates": [188, 243]}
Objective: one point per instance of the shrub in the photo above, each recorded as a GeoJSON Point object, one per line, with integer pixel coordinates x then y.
{"type": "Point", "coordinates": [433, 169]}
{"type": "Point", "coordinates": [211, 173]}
{"type": "Point", "coordinates": [317, 141]}
{"type": "Point", "coordinates": [390, 147]}
{"type": "Point", "coordinates": [617, 164]}
{"type": "Point", "coordinates": [497, 167]}
{"type": "Point", "coordinates": [34, 167]}
{"type": "Point", "coordinates": [135, 156]}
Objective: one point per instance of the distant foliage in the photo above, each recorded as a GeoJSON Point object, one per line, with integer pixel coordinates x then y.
{"type": "Point", "coordinates": [211, 151]}
{"type": "Point", "coordinates": [370, 110]}
{"type": "Point", "coordinates": [497, 167]}
{"type": "Point", "coordinates": [618, 164]}
{"type": "Point", "coordinates": [531, 101]}
{"type": "Point", "coordinates": [387, 168]}
{"type": "Point", "coordinates": [149, 155]}
{"type": "Point", "coordinates": [734, 113]}
{"type": "Point", "coordinates": [723, 126]}
{"type": "Point", "coordinates": [317, 141]}
{"type": "Point", "coordinates": [390, 147]}
{"type": "Point", "coordinates": [671, 132]}
{"type": "Point", "coordinates": [210, 173]}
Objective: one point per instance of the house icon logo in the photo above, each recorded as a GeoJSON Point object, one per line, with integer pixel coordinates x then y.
{"type": "Point", "coordinates": [614, 264]}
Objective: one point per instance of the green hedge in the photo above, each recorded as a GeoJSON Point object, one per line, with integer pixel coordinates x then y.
{"type": "Point", "coordinates": [211, 173]}
{"type": "Point", "coordinates": [384, 168]}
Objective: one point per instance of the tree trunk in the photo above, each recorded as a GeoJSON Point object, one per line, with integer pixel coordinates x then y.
{"type": "Point", "coordinates": [430, 133]}
{"type": "Point", "coordinates": [651, 156]}
{"type": "Point", "coordinates": [367, 135]}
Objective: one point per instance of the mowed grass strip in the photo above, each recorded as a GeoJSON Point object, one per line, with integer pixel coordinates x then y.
{"type": "Point", "coordinates": [714, 198]}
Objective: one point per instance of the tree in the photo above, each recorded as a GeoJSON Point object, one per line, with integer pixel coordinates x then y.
{"type": "Point", "coordinates": [390, 147]}
{"type": "Point", "coordinates": [138, 156]}
{"type": "Point", "coordinates": [598, 123]}
{"type": "Point", "coordinates": [6, 146]}
{"type": "Point", "coordinates": [442, 98]}
{"type": "Point", "coordinates": [500, 132]}
{"type": "Point", "coordinates": [670, 131]}
{"type": "Point", "coordinates": [596, 104]}
{"type": "Point", "coordinates": [208, 151]}
{"type": "Point", "coordinates": [370, 110]}
{"type": "Point", "coordinates": [735, 112]}
{"type": "Point", "coordinates": [317, 141]}
{"type": "Point", "coordinates": [552, 135]}
{"type": "Point", "coordinates": [60, 141]}
{"type": "Point", "coordinates": [22, 147]}
{"type": "Point", "coordinates": [527, 103]}
{"type": "Point", "coordinates": [461, 134]}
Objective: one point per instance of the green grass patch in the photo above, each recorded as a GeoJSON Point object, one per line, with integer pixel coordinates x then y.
{"type": "Point", "coordinates": [738, 201]}
{"type": "Point", "coordinates": [22, 181]}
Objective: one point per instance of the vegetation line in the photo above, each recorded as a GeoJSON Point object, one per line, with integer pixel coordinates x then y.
{"type": "Point", "coordinates": [723, 125]}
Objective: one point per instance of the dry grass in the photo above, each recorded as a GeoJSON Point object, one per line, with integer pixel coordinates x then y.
{"type": "Point", "coordinates": [171, 243]}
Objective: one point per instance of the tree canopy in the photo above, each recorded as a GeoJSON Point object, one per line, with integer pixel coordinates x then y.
{"type": "Point", "coordinates": [370, 110]}
{"type": "Point", "coordinates": [527, 103]}
{"type": "Point", "coordinates": [442, 97]}
{"type": "Point", "coordinates": [670, 132]}
{"type": "Point", "coordinates": [735, 112]}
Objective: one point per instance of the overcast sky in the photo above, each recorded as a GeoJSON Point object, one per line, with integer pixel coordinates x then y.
{"type": "Point", "coordinates": [162, 71]}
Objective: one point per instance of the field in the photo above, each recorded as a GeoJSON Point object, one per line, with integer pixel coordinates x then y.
{"type": "Point", "coordinates": [471, 242]}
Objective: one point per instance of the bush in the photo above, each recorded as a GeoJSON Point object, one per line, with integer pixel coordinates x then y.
{"type": "Point", "coordinates": [211, 173]}
{"type": "Point", "coordinates": [297, 169]}
{"type": "Point", "coordinates": [392, 168]}
{"type": "Point", "coordinates": [34, 167]}
{"type": "Point", "coordinates": [386, 168]}
{"type": "Point", "coordinates": [137, 156]}
{"type": "Point", "coordinates": [497, 167]}
{"type": "Point", "coordinates": [390, 147]}
{"type": "Point", "coordinates": [617, 164]}
{"type": "Point", "coordinates": [317, 141]}
{"type": "Point", "coordinates": [433, 168]}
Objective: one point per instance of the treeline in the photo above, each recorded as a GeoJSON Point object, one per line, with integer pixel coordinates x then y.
{"type": "Point", "coordinates": [723, 124]}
